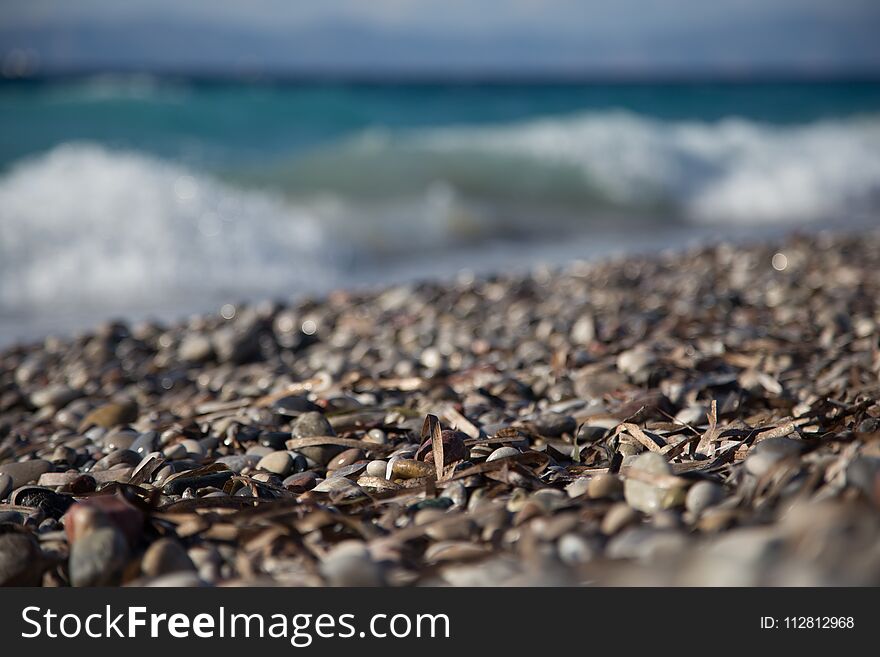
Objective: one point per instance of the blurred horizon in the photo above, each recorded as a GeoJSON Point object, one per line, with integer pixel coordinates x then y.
{"type": "Point", "coordinates": [578, 39]}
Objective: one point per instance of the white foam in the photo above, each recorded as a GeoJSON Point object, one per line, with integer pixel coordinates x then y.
{"type": "Point", "coordinates": [732, 170]}
{"type": "Point", "coordinates": [82, 224]}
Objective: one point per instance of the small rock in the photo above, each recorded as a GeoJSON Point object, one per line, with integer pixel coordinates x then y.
{"type": "Point", "coordinates": [311, 423]}
{"type": "Point", "coordinates": [57, 396]}
{"type": "Point", "coordinates": [702, 495]}
{"type": "Point", "coordinates": [21, 561]}
{"type": "Point", "coordinates": [165, 556]}
{"type": "Point", "coordinates": [111, 415]}
{"type": "Point", "coordinates": [578, 487]}
{"type": "Point", "coordinates": [145, 443]}
{"type": "Point", "coordinates": [103, 511]}
{"type": "Point", "coordinates": [636, 364]}
{"type": "Point", "coordinates": [349, 564]}
{"type": "Point", "coordinates": [238, 462]}
{"type": "Point", "coordinates": [411, 469]}
{"type": "Point", "coordinates": [98, 558]}
{"type": "Point", "coordinates": [554, 424]}
{"type": "Point", "coordinates": [302, 481]}
{"type": "Point", "coordinates": [280, 463]}
{"type": "Point", "coordinates": [604, 486]}
{"type": "Point", "coordinates": [6, 485]}
{"type": "Point", "coordinates": [25, 472]}
{"type": "Point", "coordinates": [294, 406]}
{"type": "Point", "coordinates": [575, 549]}
{"type": "Point", "coordinates": [195, 348]}
{"type": "Point", "coordinates": [120, 456]}
{"type": "Point", "coordinates": [377, 468]}
{"type": "Point", "coordinates": [618, 516]}
{"type": "Point", "coordinates": [645, 496]}
{"type": "Point", "coordinates": [346, 458]}
{"type": "Point", "coordinates": [767, 453]}
{"type": "Point", "coordinates": [376, 436]}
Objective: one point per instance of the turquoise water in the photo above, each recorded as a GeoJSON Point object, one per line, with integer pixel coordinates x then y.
{"type": "Point", "coordinates": [224, 125]}
{"type": "Point", "coordinates": [127, 195]}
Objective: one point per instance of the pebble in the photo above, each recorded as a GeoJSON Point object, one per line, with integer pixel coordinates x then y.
{"type": "Point", "coordinates": [25, 472]}
{"type": "Point", "coordinates": [176, 484]}
{"type": "Point", "coordinates": [554, 424]}
{"type": "Point", "coordinates": [111, 415]}
{"type": "Point", "coordinates": [98, 558]}
{"type": "Point", "coordinates": [239, 462]}
{"type": "Point", "coordinates": [349, 564]}
{"type": "Point", "coordinates": [604, 486]}
{"type": "Point", "coordinates": [6, 485]}
{"type": "Point", "coordinates": [195, 348]}
{"type": "Point", "coordinates": [376, 436]}
{"type": "Point", "coordinates": [334, 484]}
{"type": "Point", "coordinates": [165, 556]}
{"type": "Point", "coordinates": [302, 481]}
{"type": "Point", "coordinates": [294, 406]}
{"type": "Point", "coordinates": [145, 443]}
{"type": "Point", "coordinates": [120, 456]}
{"type": "Point", "coordinates": [503, 453]}
{"type": "Point", "coordinates": [348, 457]}
{"type": "Point", "coordinates": [411, 469]}
{"type": "Point", "coordinates": [578, 487]}
{"type": "Point", "coordinates": [103, 511]}
{"type": "Point", "coordinates": [702, 495]}
{"type": "Point", "coordinates": [280, 463]}
{"type": "Point", "coordinates": [311, 423]}
{"type": "Point", "coordinates": [767, 453]}
{"type": "Point", "coordinates": [377, 468]}
{"type": "Point", "coordinates": [21, 561]}
{"type": "Point", "coordinates": [56, 396]}
{"type": "Point", "coordinates": [574, 549]}
{"type": "Point", "coordinates": [645, 496]}
{"type": "Point", "coordinates": [617, 517]}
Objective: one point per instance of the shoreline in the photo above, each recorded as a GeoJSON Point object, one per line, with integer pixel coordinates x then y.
{"type": "Point", "coordinates": [699, 417]}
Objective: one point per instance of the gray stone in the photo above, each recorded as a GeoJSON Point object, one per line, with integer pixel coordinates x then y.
{"type": "Point", "coordinates": [554, 424]}
{"type": "Point", "coordinates": [766, 454]}
{"type": "Point", "coordinates": [145, 443]}
{"type": "Point", "coordinates": [604, 486]}
{"type": "Point", "coordinates": [377, 468]}
{"type": "Point", "coordinates": [574, 549]}
{"type": "Point", "coordinates": [5, 486]}
{"type": "Point", "coordinates": [617, 517]}
{"type": "Point", "coordinates": [98, 558]}
{"type": "Point", "coordinates": [165, 556]}
{"type": "Point", "coordinates": [578, 487]}
{"type": "Point", "coordinates": [21, 561]}
{"type": "Point", "coordinates": [645, 496]}
{"type": "Point", "coordinates": [239, 462]}
{"type": "Point", "coordinates": [25, 472]}
{"type": "Point", "coordinates": [56, 396]}
{"type": "Point", "coordinates": [503, 453]}
{"type": "Point", "coordinates": [349, 564]}
{"type": "Point", "coordinates": [311, 423]}
{"type": "Point", "coordinates": [280, 463]}
{"type": "Point", "coordinates": [195, 348]}
{"type": "Point", "coordinates": [120, 456]}
{"type": "Point", "coordinates": [702, 495]}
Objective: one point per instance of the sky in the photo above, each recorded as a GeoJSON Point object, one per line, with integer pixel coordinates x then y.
{"type": "Point", "coordinates": [458, 36]}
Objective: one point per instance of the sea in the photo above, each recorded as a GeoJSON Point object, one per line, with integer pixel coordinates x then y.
{"type": "Point", "coordinates": [140, 196]}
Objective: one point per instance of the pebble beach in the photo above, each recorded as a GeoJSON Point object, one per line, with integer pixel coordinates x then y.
{"type": "Point", "coordinates": [702, 417]}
